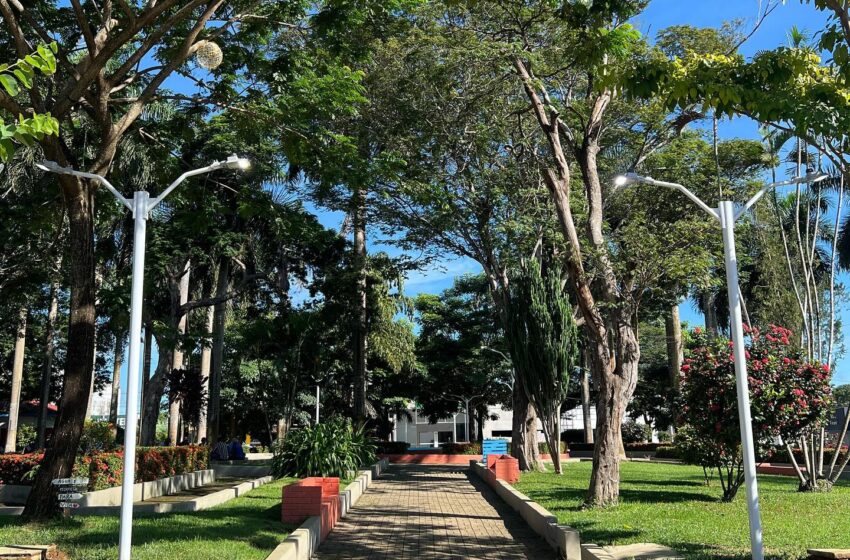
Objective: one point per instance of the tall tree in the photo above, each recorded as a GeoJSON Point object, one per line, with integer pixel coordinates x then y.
{"type": "Point", "coordinates": [544, 344]}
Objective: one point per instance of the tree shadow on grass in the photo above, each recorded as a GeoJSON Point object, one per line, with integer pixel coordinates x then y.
{"type": "Point", "coordinates": [244, 522]}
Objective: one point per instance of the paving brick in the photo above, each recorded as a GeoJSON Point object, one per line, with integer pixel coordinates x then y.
{"type": "Point", "coordinates": [432, 513]}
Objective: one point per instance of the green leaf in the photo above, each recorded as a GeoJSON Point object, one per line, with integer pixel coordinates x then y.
{"type": "Point", "coordinates": [9, 84]}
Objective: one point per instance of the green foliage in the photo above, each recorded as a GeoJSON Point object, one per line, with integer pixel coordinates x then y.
{"type": "Point", "coordinates": [97, 436]}
{"type": "Point", "coordinates": [543, 341]}
{"type": "Point", "coordinates": [14, 77]}
{"type": "Point", "coordinates": [26, 435]}
{"type": "Point", "coordinates": [789, 397]}
{"type": "Point", "coordinates": [471, 448]}
{"type": "Point", "coordinates": [635, 433]}
{"type": "Point", "coordinates": [332, 448]}
{"type": "Point", "coordinates": [841, 394]}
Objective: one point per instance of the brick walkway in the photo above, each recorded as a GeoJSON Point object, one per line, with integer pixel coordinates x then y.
{"type": "Point", "coordinates": [432, 512]}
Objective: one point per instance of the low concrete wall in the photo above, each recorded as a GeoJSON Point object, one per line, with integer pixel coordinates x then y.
{"type": "Point", "coordinates": [14, 493]}
{"type": "Point", "coordinates": [563, 539]}
{"type": "Point", "coordinates": [112, 496]}
{"type": "Point", "coordinates": [426, 458]}
{"type": "Point", "coordinates": [196, 504]}
{"type": "Point", "coordinates": [303, 542]}
{"type": "Point", "coordinates": [240, 469]}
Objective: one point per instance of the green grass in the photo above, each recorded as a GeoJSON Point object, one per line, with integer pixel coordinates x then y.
{"type": "Point", "coordinates": [245, 528]}
{"type": "Point", "coordinates": [670, 505]}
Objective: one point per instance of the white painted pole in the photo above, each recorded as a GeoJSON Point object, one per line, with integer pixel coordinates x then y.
{"type": "Point", "coordinates": [454, 427]}
{"type": "Point", "coordinates": [727, 221]}
{"type": "Point", "coordinates": [140, 215]}
{"type": "Point", "coordinates": [317, 405]}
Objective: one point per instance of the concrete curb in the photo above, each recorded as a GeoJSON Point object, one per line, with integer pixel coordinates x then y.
{"type": "Point", "coordinates": [196, 504]}
{"type": "Point", "coordinates": [304, 541]}
{"type": "Point", "coordinates": [594, 552]}
{"type": "Point", "coordinates": [563, 539]}
{"type": "Point", "coordinates": [108, 501]}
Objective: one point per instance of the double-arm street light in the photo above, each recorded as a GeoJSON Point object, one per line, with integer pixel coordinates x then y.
{"type": "Point", "coordinates": [726, 214]}
{"type": "Point", "coordinates": [140, 206]}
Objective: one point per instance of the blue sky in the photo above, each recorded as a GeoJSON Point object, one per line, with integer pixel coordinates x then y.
{"type": "Point", "coordinates": [659, 15]}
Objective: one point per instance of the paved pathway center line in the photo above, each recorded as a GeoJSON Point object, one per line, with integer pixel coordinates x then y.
{"type": "Point", "coordinates": [432, 512]}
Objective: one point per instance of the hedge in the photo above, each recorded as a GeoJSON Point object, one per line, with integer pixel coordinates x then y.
{"type": "Point", "coordinates": [104, 470]}
{"type": "Point", "coordinates": [543, 447]}
{"type": "Point", "coordinates": [13, 467]}
{"type": "Point", "coordinates": [628, 446]}
{"type": "Point", "coordinates": [391, 447]}
{"type": "Point", "coordinates": [472, 448]}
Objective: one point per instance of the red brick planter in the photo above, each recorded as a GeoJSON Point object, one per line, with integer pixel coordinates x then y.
{"type": "Point", "coordinates": [504, 467]}
{"type": "Point", "coordinates": [312, 496]}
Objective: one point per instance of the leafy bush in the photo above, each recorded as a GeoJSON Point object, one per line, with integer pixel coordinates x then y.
{"type": "Point", "coordinates": [391, 447]}
{"type": "Point", "coordinates": [26, 435]}
{"type": "Point", "coordinates": [667, 452]}
{"type": "Point", "coordinates": [161, 462]}
{"type": "Point", "coordinates": [789, 397]}
{"type": "Point", "coordinates": [544, 447]}
{"type": "Point", "coordinates": [98, 437]}
{"type": "Point", "coordinates": [664, 437]}
{"type": "Point", "coordinates": [635, 433]}
{"type": "Point", "coordinates": [14, 468]}
{"type": "Point", "coordinates": [333, 448]}
{"type": "Point", "coordinates": [471, 448]}
{"type": "Point", "coordinates": [104, 470]}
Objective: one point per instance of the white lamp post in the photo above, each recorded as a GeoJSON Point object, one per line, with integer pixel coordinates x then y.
{"type": "Point", "coordinates": [140, 206]}
{"type": "Point", "coordinates": [727, 216]}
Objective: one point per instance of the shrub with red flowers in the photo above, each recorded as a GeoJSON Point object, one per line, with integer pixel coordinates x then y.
{"type": "Point", "coordinates": [14, 468]}
{"type": "Point", "coordinates": [788, 396]}
{"type": "Point", "coordinates": [104, 470]}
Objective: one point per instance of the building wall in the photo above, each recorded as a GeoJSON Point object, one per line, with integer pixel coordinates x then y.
{"type": "Point", "coordinates": [418, 432]}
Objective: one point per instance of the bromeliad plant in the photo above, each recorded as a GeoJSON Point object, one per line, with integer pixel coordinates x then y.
{"type": "Point", "coordinates": [333, 448]}
{"type": "Point", "coordinates": [789, 399]}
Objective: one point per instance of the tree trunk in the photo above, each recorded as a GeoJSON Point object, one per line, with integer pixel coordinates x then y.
{"type": "Point", "coordinates": [585, 404]}
{"type": "Point", "coordinates": [60, 455]}
{"type": "Point", "coordinates": [552, 427]}
{"type": "Point", "coordinates": [675, 349]}
{"type": "Point", "coordinates": [524, 431]}
{"type": "Point", "coordinates": [206, 355]}
{"type": "Point", "coordinates": [117, 360]}
{"type": "Point", "coordinates": [219, 313]}
{"type": "Point", "coordinates": [616, 385]}
{"type": "Point", "coordinates": [708, 302]}
{"type": "Point", "coordinates": [146, 377]}
{"type": "Point", "coordinates": [178, 356]}
{"type": "Point", "coordinates": [47, 370]}
{"type": "Point", "coordinates": [153, 396]}
{"type": "Point", "coordinates": [360, 344]}
{"type": "Point", "coordinates": [17, 379]}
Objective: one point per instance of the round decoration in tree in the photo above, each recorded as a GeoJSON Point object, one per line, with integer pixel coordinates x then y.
{"type": "Point", "coordinates": [208, 55]}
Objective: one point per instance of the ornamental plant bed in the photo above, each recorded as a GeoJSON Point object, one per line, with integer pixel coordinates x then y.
{"type": "Point", "coordinates": [104, 470]}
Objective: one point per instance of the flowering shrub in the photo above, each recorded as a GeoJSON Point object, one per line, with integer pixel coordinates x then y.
{"type": "Point", "coordinates": [13, 468]}
{"type": "Point", "coordinates": [104, 470]}
{"type": "Point", "coordinates": [787, 397]}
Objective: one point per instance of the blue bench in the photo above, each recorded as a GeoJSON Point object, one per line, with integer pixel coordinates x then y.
{"type": "Point", "coordinates": [494, 447]}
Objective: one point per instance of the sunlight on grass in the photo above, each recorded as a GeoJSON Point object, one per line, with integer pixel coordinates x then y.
{"type": "Point", "coordinates": [670, 505]}
{"type": "Point", "coordinates": [246, 528]}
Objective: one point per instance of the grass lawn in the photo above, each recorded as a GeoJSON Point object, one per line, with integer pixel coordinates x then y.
{"type": "Point", "coordinates": [245, 528]}
{"type": "Point", "coordinates": [670, 505]}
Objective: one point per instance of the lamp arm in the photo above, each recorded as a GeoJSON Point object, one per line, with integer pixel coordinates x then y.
{"type": "Point", "coordinates": [681, 188]}
{"type": "Point", "coordinates": [756, 197]}
{"type": "Point", "coordinates": [155, 202]}
{"type": "Point", "coordinates": [102, 180]}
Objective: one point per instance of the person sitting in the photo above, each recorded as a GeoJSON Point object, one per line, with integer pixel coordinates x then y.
{"type": "Point", "coordinates": [219, 452]}
{"type": "Point", "coordinates": [235, 451]}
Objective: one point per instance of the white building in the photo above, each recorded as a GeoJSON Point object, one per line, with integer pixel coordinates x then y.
{"type": "Point", "coordinates": [419, 432]}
